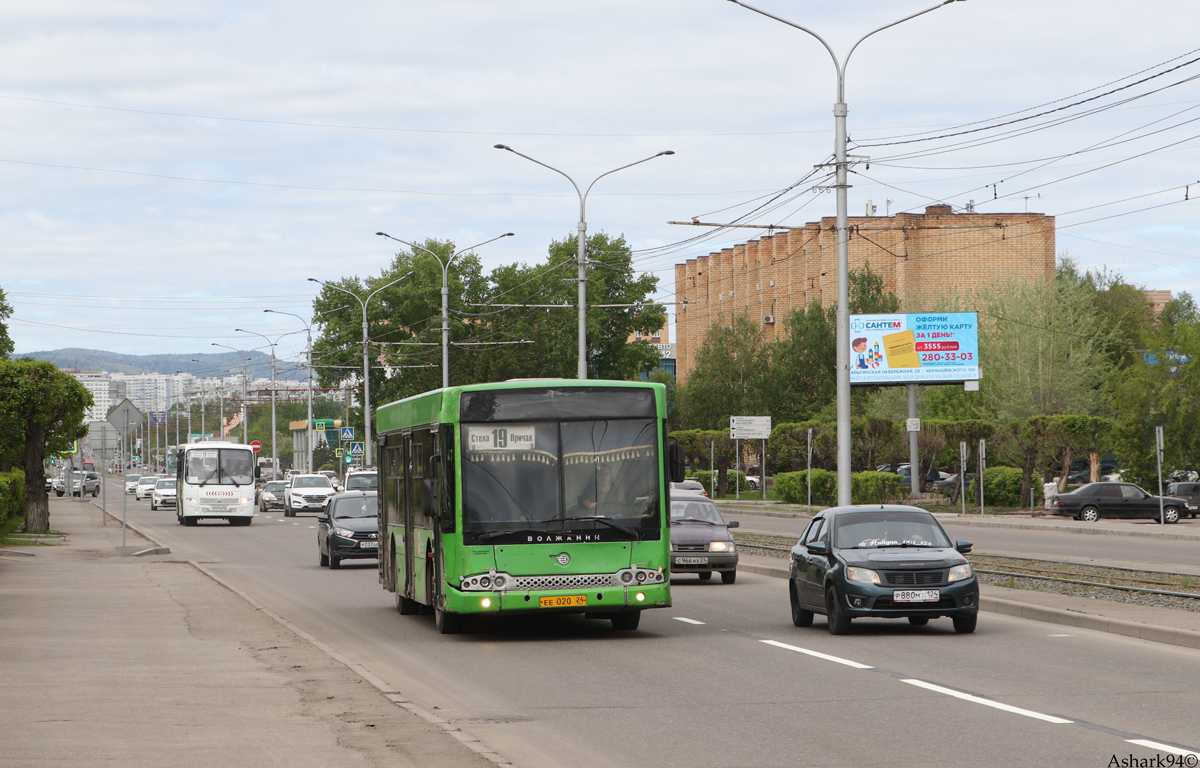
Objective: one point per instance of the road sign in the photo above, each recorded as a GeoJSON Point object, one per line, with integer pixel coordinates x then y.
{"type": "Point", "coordinates": [749, 427]}
{"type": "Point", "coordinates": [74, 448]}
{"type": "Point", "coordinates": [339, 452]}
{"type": "Point", "coordinates": [257, 446]}
{"type": "Point", "coordinates": [356, 449]}
{"type": "Point", "coordinates": [125, 417]}
{"type": "Point", "coordinates": [323, 424]}
{"type": "Point", "coordinates": [912, 425]}
{"type": "Point", "coordinates": [347, 433]}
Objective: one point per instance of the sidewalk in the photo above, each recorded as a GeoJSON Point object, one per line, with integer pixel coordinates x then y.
{"type": "Point", "coordinates": [114, 660]}
{"type": "Point", "coordinates": [1161, 625]}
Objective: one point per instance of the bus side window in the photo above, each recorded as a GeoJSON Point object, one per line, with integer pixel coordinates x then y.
{"type": "Point", "coordinates": [445, 478]}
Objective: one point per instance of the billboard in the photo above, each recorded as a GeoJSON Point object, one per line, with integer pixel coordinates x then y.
{"type": "Point", "coordinates": [925, 348]}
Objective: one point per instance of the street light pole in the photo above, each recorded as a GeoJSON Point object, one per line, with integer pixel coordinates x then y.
{"type": "Point", "coordinates": [366, 358]}
{"type": "Point", "coordinates": [274, 431]}
{"type": "Point", "coordinates": [581, 244]}
{"type": "Point", "coordinates": [445, 294]}
{"type": "Point", "coordinates": [245, 394]}
{"type": "Point", "coordinates": [843, 273]}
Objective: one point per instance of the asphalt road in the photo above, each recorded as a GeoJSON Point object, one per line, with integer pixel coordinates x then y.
{"type": "Point", "coordinates": [723, 678]}
{"type": "Point", "coordinates": [1127, 551]}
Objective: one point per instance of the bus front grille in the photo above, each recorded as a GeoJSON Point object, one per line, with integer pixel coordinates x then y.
{"type": "Point", "coordinates": [569, 581]}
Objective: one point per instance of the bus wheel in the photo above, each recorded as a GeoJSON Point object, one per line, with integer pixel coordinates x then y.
{"type": "Point", "coordinates": [626, 622]}
{"type": "Point", "coordinates": [406, 606]}
{"type": "Point", "coordinates": [447, 623]}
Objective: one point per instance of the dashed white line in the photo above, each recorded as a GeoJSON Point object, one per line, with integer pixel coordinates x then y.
{"type": "Point", "coordinates": [1163, 747]}
{"type": "Point", "coordinates": [817, 654]}
{"type": "Point", "coordinates": [686, 621]}
{"type": "Point", "coordinates": [987, 702]}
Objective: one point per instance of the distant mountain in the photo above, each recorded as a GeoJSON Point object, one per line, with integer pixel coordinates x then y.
{"type": "Point", "coordinates": [259, 364]}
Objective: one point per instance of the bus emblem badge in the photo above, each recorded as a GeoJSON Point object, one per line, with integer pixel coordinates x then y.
{"type": "Point", "coordinates": [563, 559]}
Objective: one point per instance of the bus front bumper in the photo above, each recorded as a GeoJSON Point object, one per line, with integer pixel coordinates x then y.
{"type": "Point", "coordinates": [594, 601]}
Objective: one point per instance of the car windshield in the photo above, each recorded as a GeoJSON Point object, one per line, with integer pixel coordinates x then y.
{"type": "Point", "coordinates": [695, 511]}
{"type": "Point", "coordinates": [148, 481]}
{"type": "Point", "coordinates": [275, 485]}
{"type": "Point", "coordinates": [887, 528]}
{"type": "Point", "coordinates": [132, 478]}
{"type": "Point", "coordinates": [319, 481]}
{"type": "Point", "coordinates": [364, 506]}
{"type": "Point", "coordinates": [545, 476]}
{"type": "Point", "coordinates": [362, 482]}
{"type": "Point", "coordinates": [165, 484]}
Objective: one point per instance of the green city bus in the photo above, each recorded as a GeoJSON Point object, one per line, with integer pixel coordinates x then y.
{"type": "Point", "coordinates": [530, 496]}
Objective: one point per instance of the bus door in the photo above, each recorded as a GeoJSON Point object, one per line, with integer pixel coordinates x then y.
{"type": "Point", "coordinates": [406, 510]}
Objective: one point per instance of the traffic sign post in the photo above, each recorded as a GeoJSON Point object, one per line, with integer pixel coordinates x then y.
{"type": "Point", "coordinates": [347, 433]}
{"type": "Point", "coordinates": [1158, 452]}
{"type": "Point", "coordinates": [257, 446]}
{"type": "Point", "coordinates": [752, 428]}
{"type": "Point", "coordinates": [357, 449]}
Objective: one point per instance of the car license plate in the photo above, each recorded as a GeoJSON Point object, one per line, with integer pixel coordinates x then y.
{"type": "Point", "coordinates": [562, 601]}
{"type": "Point", "coordinates": [691, 561]}
{"type": "Point", "coordinates": [916, 595]}
{"type": "Point", "coordinates": [368, 545]}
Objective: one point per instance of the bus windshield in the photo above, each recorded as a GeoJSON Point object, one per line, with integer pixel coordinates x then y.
{"type": "Point", "coordinates": [219, 466]}
{"type": "Point", "coordinates": [556, 476]}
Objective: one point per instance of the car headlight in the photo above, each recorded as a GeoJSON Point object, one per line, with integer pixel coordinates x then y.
{"type": "Point", "coordinates": [344, 533]}
{"type": "Point", "coordinates": [721, 546]}
{"type": "Point", "coordinates": [863, 575]}
{"type": "Point", "coordinates": [960, 572]}
{"type": "Point", "coordinates": [297, 502]}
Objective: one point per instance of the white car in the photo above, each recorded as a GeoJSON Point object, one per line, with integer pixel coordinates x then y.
{"type": "Point", "coordinates": [164, 493]}
{"type": "Point", "coordinates": [306, 493]}
{"type": "Point", "coordinates": [362, 480]}
{"type": "Point", "coordinates": [131, 482]}
{"type": "Point", "coordinates": [145, 487]}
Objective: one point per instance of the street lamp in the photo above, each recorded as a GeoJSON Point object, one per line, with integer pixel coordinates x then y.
{"type": "Point", "coordinates": [271, 344]}
{"type": "Point", "coordinates": [843, 276]}
{"type": "Point", "coordinates": [204, 396]}
{"type": "Point", "coordinates": [445, 294]}
{"type": "Point", "coordinates": [245, 386]}
{"type": "Point", "coordinates": [366, 358]}
{"type": "Point", "coordinates": [581, 243]}
{"type": "Point", "coordinates": [308, 330]}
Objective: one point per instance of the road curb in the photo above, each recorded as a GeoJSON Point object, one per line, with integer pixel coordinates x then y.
{"type": "Point", "coordinates": [1159, 634]}
{"type": "Point", "coordinates": [389, 691]}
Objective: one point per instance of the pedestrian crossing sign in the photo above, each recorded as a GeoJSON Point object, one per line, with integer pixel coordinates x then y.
{"type": "Point", "coordinates": [347, 433]}
{"type": "Point", "coordinates": [356, 449]}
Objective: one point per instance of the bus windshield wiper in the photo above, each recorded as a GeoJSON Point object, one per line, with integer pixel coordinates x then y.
{"type": "Point", "coordinates": [498, 534]}
{"type": "Point", "coordinates": [603, 521]}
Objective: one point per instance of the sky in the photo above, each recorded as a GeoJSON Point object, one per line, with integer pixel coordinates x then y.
{"type": "Point", "coordinates": [169, 170]}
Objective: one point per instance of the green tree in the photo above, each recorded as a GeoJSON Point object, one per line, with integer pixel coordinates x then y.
{"type": "Point", "coordinates": [729, 376]}
{"type": "Point", "coordinates": [6, 342]}
{"type": "Point", "coordinates": [41, 410]}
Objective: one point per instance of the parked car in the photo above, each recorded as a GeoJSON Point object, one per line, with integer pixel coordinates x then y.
{"type": "Point", "coordinates": [1190, 493]}
{"type": "Point", "coordinates": [362, 480]}
{"type": "Point", "coordinates": [1096, 500]}
{"type": "Point", "coordinates": [164, 493]}
{"type": "Point", "coordinates": [1084, 475]}
{"type": "Point", "coordinates": [692, 486]}
{"type": "Point", "coordinates": [933, 477]}
{"type": "Point", "coordinates": [349, 528]}
{"type": "Point", "coordinates": [700, 539]}
{"type": "Point", "coordinates": [333, 478]}
{"type": "Point", "coordinates": [270, 496]}
{"type": "Point", "coordinates": [306, 493]}
{"type": "Point", "coordinates": [131, 482]}
{"type": "Point", "coordinates": [82, 483]}
{"type": "Point", "coordinates": [948, 484]}
{"type": "Point", "coordinates": [885, 561]}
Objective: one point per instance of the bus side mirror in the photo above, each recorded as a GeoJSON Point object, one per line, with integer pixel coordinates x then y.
{"type": "Point", "coordinates": [676, 462]}
{"type": "Point", "coordinates": [429, 498]}
{"type": "Point", "coordinates": [257, 472]}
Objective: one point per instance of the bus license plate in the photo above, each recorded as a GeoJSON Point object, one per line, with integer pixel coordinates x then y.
{"type": "Point", "coordinates": [916, 595]}
{"type": "Point", "coordinates": [562, 601]}
{"type": "Point", "coordinates": [368, 545]}
{"type": "Point", "coordinates": [691, 561]}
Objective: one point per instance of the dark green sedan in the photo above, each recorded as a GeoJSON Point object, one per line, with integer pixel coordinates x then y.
{"type": "Point", "coordinates": [879, 561]}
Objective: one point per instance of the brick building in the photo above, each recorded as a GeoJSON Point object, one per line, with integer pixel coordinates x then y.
{"type": "Point", "coordinates": [919, 256]}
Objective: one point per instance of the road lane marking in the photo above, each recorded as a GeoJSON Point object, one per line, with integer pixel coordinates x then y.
{"type": "Point", "coordinates": [1163, 747]}
{"type": "Point", "coordinates": [686, 621]}
{"type": "Point", "coordinates": [986, 702]}
{"type": "Point", "coordinates": [817, 654]}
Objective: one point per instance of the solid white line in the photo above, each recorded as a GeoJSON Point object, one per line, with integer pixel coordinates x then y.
{"type": "Point", "coordinates": [987, 702]}
{"type": "Point", "coordinates": [1163, 747]}
{"type": "Point", "coordinates": [686, 621]}
{"type": "Point", "coordinates": [817, 654]}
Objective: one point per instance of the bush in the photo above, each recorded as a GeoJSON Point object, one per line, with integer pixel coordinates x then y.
{"type": "Point", "coordinates": [706, 479]}
{"type": "Point", "coordinates": [12, 494]}
{"type": "Point", "coordinates": [865, 487]}
{"type": "Point", "coordinates": [1001, 488]}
